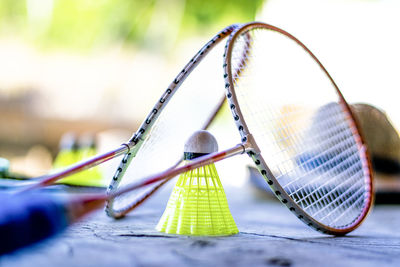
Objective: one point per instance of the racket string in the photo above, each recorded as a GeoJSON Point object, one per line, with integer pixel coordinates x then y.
{"type": "Point", "coordinates": [327, 183]}
{"type": "Point", "coordinates": [321, 167]}
{"type": "Point", "coordinates": [342, 163]}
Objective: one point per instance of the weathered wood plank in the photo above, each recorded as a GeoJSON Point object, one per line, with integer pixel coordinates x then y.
{"type": "Point", "coordinates": [269, 236]}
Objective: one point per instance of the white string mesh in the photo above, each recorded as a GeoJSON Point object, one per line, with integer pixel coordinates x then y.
{"type": "Point", "coordinates": [187, 111]}
{"type": "Point", "coordinates": [292, 109]}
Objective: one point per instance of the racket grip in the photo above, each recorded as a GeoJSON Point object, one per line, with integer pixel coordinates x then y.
{"type": "Point", "coordinates": [28, 218]}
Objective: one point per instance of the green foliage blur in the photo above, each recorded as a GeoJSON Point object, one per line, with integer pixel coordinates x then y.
{"type": "Point", "coordinates": [84, 24]}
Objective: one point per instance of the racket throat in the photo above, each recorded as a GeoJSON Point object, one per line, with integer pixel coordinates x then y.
{"type": "Point", "coordinates": [250, 145]}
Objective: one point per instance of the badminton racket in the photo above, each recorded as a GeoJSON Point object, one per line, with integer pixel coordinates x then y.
{"type": "Point", "coordinates": [296, 126]}
{"type": "Point", "coordinates": [196, 102]}
{"type": "Point", "coordinates": [191, 108]}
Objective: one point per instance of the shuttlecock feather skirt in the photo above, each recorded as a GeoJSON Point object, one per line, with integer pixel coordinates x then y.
{"type": "Point", "coordinates": [198, 206]}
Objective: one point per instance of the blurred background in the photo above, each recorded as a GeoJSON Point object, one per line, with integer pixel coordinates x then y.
{"type": "Point", "coordinates": [99, 66]}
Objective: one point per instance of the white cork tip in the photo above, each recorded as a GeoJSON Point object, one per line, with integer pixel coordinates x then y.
{"type": "Point", "coordinates": [201, 142]}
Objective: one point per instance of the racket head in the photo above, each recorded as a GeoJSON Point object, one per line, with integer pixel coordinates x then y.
{"type": "Point", "coordinates": [305, 140]}
{"type": "Point", "coordinates": [190, 103]}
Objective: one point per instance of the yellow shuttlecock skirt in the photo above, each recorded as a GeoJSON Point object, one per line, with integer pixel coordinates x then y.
{"type": "Point", "coordinates": [91, 177]}
{"type": "Point", "coordinates": [198, 206]}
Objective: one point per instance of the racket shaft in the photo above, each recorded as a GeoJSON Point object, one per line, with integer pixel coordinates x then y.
{"type": "Point", "coordinates": [197, 163]}
{"type": "Point", "coordinates": [78, 167]}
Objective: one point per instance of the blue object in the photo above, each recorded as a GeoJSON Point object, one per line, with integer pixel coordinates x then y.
{"type": "Point", "coordinates": [330, 160]}
{"type": "Point", "coordinates": [28, 218]}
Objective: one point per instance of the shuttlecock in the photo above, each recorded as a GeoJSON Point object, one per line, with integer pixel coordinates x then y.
{"type": "Point", "coordinates": [72, 151]}
{"type": "Point", "coordinates": [68, 151]}
{"type": "Point", "coordinates": [198, 205]}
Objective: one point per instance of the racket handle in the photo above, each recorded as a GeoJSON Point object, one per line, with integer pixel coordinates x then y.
{"type": "Point", "coordinates": [29, 218]}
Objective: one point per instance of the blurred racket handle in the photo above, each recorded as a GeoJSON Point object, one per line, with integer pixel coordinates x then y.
{"type": "Point", "coordinates": [29, 218]}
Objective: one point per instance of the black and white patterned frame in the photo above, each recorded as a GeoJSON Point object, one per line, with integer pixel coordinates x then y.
{"type": "Point", "coordinates": [279, 192]}
{"type": "Point", "coordinates": [138, 138]}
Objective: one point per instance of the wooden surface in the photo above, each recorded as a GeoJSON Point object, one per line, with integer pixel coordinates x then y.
{"type": "Point", "coordinates": [269, 236]}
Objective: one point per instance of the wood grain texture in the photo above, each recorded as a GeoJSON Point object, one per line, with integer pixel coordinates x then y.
{"type": "Point", "coordinates": [269, 236]}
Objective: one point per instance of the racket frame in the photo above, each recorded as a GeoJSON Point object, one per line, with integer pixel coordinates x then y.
{"type": "Point", "coordinates": [138, 138]}
{"type": "Point", "coordinates": [262, 166]}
